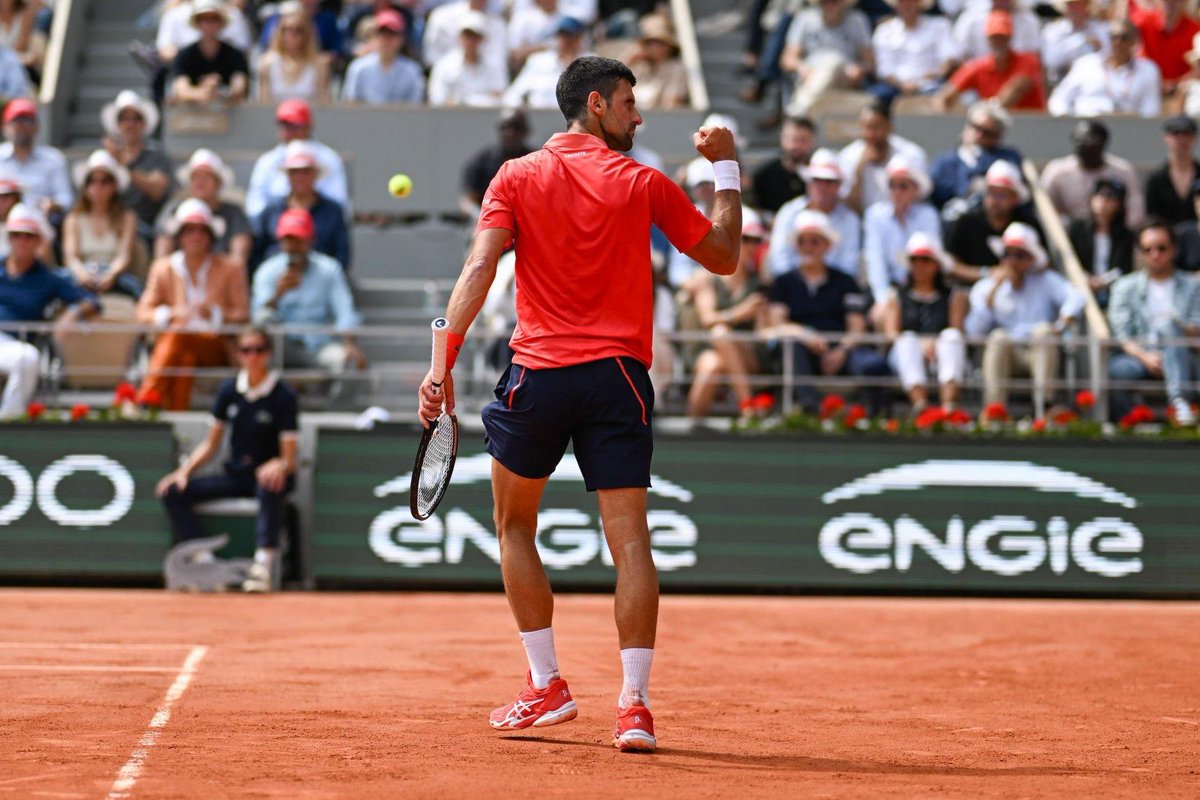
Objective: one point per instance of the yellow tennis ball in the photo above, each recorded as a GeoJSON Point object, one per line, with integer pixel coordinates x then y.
{"type": "Point", "coordinates": [400, 185]}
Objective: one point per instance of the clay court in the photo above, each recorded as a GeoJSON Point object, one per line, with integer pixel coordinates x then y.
{"type": "Point", "coordinates": [145, 694]}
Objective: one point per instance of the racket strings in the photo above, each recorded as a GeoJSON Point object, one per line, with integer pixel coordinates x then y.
{"type": "Point", "coordinates": [435, 467]}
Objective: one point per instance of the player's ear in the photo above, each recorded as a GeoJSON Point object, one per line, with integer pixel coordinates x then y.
{"type": "Point", "coordinates": [596, 103]}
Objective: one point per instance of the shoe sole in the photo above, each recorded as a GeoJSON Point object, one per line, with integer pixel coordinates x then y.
{"type": "Point", "coordinates": [635, 742]}
{"type": "Point", "coordinates": [564, 713]}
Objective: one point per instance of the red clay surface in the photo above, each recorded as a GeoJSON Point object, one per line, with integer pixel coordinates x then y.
{"type": "Point", "coordinates": [387, 695]}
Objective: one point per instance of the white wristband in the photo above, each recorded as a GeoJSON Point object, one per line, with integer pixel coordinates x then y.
{"type": "Point", "coordinates": [728, 176]}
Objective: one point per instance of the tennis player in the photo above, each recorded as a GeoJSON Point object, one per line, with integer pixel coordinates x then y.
{"type": "Point", "coordinates": [579, 214]}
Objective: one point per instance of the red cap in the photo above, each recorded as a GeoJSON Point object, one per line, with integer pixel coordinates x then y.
{"type": "Point", "coordinates": [390, 20]}
{"type": "Point", "coordinates": [295, 222]}
{"type": "Point", "coordinates": [294, 112]}
{"type": "Point", "coordinates": [19, 107]}
{"type": "Point", "coordinates": [9, 186]}
{"type": "Point", "coordinates": [999, 23]}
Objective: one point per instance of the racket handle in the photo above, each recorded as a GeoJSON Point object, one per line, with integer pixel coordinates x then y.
{"type": "Point", "coordinates": [440, 327]}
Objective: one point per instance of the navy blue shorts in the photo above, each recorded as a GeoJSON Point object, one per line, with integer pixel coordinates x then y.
{"type": "Point", "coordinates": [604, 407]}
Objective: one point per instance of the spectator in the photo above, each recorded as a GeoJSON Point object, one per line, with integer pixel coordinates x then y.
{"type": "Point", "coordinates": [126, 122]}
{"type": "Point", "coordinates": [864, 161]}
{"type": "Point", "coordinates": [888, 226]}
{"type": "Point", "coordinates": [1168, 188]}
{"type": "Point", "coordinates": [586, 11]}
{"type": "Point", "coordinates": [1012, 79]}
{"type": "Point", "coordinates": [700, 183]}
{"type": "Point", "coordinates": [823, 180]}
{"type": "Point", "coordinates": [190, 294]}
{"type": "Point", "coordinates": [970, 30]}
{"type": "Point", "coordinates": [332, 236]}
{"type": "Point", "coordinates": [923, 318]}
{"type": "Point", "coordinates": [1149, 308]}
{"type": "Point", "coordinates": [293, 68]}
{"type": "Point", "coordinates": [1119, 83]}
{"type": "Point", "coordinates": [18, 32]}
{"type": "Point", "coordinates": [535, 84]}
{"type": "Point", "coordinates": [462, 76]}
{"type": "Point", "coordinates": [210, 69]}
{"type": "Point", "coordinates": [1166, 28]}
{"type": "Point", "coordinates": [446, 22]}
{"type": "Point", "coordinates": [324, 23]}
{"type": "Point", "coordinates": [27, 289]}
{"type": "Point", "coordinates": [777, 181]}
{"type": "Point", "coordinates": [813, 301]}
{"type": "Point", "coordinates": [1077, 34]}
{"type": "Point", "coordinates": [661, 77]}
{"type": "Point", "coordinates": [300, 287]}
{"type": "Point", "coordinates": [260, 411]}
{"type": "Point", "coordinates": [1102, 241]}
{"type": "Point", "coordinates": [175, 32]}
{"type": "Point", "coordinates": [384, 75]}
{"type": "Point", "coordinates": [914, 52]}
{"type": "Point", "coordinates": [14, 80]}
{"type": "Point", "coordinates": [959, 173]}
{"type": "Point", "coordinates": [828, 47]}
{"type": "Point", "coordinates": [1022, 307]}
{"type": "Point", "coordinates": [268, 182]}
{"type": "Point", "coordinates": [975, 239]}
{"type": "Point", "coordinates": [775, 19]}
{"type": "Point", "coordinates": [100, 232]}
{"type": "Point", "coordinates": [40, 169]}
{"type": "Point", "coordinates": [477, 174]}
{"type": "Point", "coordinates": [531, 29]}
{"type": "Point", "coordinates": [1187, 237]}
{"type": "Point", "coordinates": [725, 305]}
{"type": "Point", "coordinates": [10, 196]}
{"type": "Point", "coordinates": [206, 178]}
{"type": "Point", "coordinates": [1069, 180]}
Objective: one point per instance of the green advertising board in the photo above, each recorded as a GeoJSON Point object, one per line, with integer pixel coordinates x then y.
{"type": "Point", "coordinates": [78, 499]}
{"type": "Point", "coordinates": [833, 513]}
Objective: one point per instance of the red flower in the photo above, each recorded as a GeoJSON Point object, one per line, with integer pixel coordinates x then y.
{"type": "Point", "coordinates": [1039, 424]}
{"type": "Point", "coordinates": [125, 392]}
{"type": "Point", "coordinates": [1085, 399]}
{"type": "Point", "coordinates": [79, 411]}
{"type": "Point", "coordinates": [958, 417]}
{"type": "Point", "coordinates": [150, 398]}
{"type": "Point", "coordinates": [854, 414]}
{"type": "Point", "coordinates": [934, 415]}
{"type": "Point", "coordinates": [1065, 417]}
{"type": "Point", "coordinates": [832, 405]}
{"type": "Point", "coordinates": [763, 401]}
{"type": "Point", "coordinates": [35, 410]}
{"type": "Point", "coordinates": [892, 426]}
{"type": "Point", "coordinates": [995, 412]}
{"type": "Point", "coordinates": [1142, 414]}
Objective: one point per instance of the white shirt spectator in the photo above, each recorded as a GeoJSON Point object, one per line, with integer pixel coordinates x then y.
{"type": "Point", "coordinates": [453, 82]}
{"type": "Point", "coordinates": [43, 175]}
{"type": "Point", "coordinates": [782, 255]}
{"type": "Point", "coordinates": [885, 240]}
{"type": "Point", "coordinates": [268, 181]}
{"type": "Point", "coordinates": [1045, 296]}
{"type": "Point", "coordinates": [809, 31]}
{"type": "Point", "coordinates": [441, 34]}
{"type": "Point", "coordinates": [175, 29]}
{"type": "Point", "coordinates": [1095, 87]}
{"type": "Point", "coordinates": [875, 178]}
{"type": "Point", "coordinates": [972, 41]}
{"type": "Point", "coordinates": [1062, 45]}
{"type": "Point", "coordinates": [535, 84]}
{"type": "Point", "coordinates": [531, 27]}
{"type": "Point", "coordinates": [910, 56]}
{"type": "Point", "coordinates": [585, 11]}
{"type": "Point", "coordinates": [368, 81]}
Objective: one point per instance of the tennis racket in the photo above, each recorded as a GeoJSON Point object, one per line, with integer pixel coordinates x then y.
{"type": "Point", "coordinates": [439, 443]}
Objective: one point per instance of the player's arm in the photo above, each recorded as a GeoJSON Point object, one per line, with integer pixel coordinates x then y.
{"type": "Point", "coordinates": [721, 248]}
{"type": "Point", "coordinates": [466, 300]}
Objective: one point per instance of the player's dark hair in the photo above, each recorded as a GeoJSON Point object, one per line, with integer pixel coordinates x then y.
{"type": "Point", "coordinates": [585, 75]}
{"type": "Point", "coordinates": [802, 122]}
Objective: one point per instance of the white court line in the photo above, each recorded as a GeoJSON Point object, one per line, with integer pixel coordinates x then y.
{"type": "Point", "coordinates": [128, 776]}
{"type": "Point", "coordinates": [81, 668]}
{"type": "Point", "coordinates": [95, 646]}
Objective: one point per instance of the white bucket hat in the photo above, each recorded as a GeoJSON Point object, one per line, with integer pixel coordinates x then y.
{"type": "Point", "coordinates": [810, 221]}
{"type": "Point", "coordinates": [899, 166]}
{"type": "Point", "coordinates": [208, 160]}
{"type": "Point", "coordinates": [101, 160]}
{"type": "Point", "coordinates": [195, 212]}
{"type": "Point", "coordinates": [27, 219]}
{"type": "Point", "coordinates": [922, 244]}
{"type": "Point", "coordinates": [1020, 236]}
{"type": "Point", "coordinates": [823, 166]}
{"type": "Point", "coordinates": [201, 7]}
{"type": "Point", "coordinates": [128, 99]}
{"type": "Point", "coordinates": [699, 170]}
{"type": "Point", "coordinates": [1006, 176]}
{"type": "Point", "coordinates": [299, 154]}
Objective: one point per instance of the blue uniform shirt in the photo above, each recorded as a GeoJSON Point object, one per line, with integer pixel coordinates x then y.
{"type": "Point", "coordinates": [26, 298]}
{"type": "Point", "coordinates": [256, 420]}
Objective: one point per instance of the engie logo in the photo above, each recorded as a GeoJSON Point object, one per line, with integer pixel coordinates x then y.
{"type": "Point", "coordinates": [24, 492]}
{"type": "Point", "coordinates": [566, 537]}
{"type": "Point", "coordinates": [1005, 545]}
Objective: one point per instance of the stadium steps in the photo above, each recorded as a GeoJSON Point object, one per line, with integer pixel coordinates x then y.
{"type": "Point", "coordinates": [106, 67]}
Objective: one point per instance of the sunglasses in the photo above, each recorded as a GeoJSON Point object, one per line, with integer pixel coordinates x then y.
{"type": "Point", "coordinates": [810, 241]}
{"type": "Point", "coordinates": [897, 186]}
{"type": "Point", "coordinates": [21, 235]}
{"type": "Point", "coordinates": [103, 180]}
{"type": "Point", "coordinates": [1154, 248]}
{"type": "Point", "coordinates": [984, 130]}
{"type": "Point", "coordinates": [1018, 255]}
{"type": "Point", "coordinates": [253, 349]}
{"type": "Point", "coordinates": [130, 117]}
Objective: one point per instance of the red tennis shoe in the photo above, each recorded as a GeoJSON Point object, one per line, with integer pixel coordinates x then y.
{"type": "Point", "coordinates": [536, 707]}
{"type": "Point", "coordinates": [635, 730]}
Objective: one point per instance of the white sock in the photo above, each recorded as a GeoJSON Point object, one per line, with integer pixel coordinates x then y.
{"type": "Point", "coordinates": [635, 691]}
{"type": "Point", "coordinates": [265, 556]}
{"type": "Point", "coordinates": [543, 663]}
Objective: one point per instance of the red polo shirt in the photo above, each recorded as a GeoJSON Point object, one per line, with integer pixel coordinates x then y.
{"type": "Point", "coordinates": [1164, 48]}
{"type": "Point", "coordinates": [580, 214]}
{"type": "Point", "coordinates": [981, 75]}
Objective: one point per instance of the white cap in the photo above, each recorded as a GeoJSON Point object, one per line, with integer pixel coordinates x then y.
{"type": "Point", "coordinates": [27, 219]}
{"type": "Point", "coordinates": [752, 223]}
{"type": "Point", "coordinates": [725, 121]}
{"type": "Point", "coordinates": [900, 166]}
{"type": "Point", "coordinates": [128, 98]}
{"type": "Point", "coordinates": [475, 21]}
{"type": "Point", "coordinates": [1005, 175]}
{"type": "Point", "coordinates": [922, 244]}
{"type": "Point", "coordinates": [810, 221]}
{"type": "Point", "coordinates": [101, 160]}
{"type": "Point", "coordinates": [207, 160]}
{"type": "Point", "coordinates": [195, 212]}
{"type": "Point", "coordinates": [1020, 236]}
{"type": "Point", "coordinates": [699, 170]}
{"type": "Point", "coordinates": [301, 154]}
{"type": "Point", "coordinates": [823, 166]}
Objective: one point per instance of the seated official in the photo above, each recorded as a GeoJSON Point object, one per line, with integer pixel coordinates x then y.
{"type": "Point", "coordinates": [299, 286]}
{"type": "Point", "coordinates": [260, 410]}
